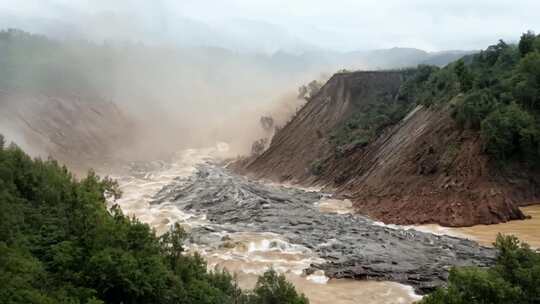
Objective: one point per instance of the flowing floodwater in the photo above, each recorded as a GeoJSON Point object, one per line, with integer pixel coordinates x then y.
{"type": "Point", "coordinates": [251, 254]}
{"type": "Point", "coordinates": [527, 230]}
{"type": "Point", "coordinates": [247, 227]}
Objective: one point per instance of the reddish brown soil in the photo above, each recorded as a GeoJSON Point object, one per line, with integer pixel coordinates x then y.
{"type": "Point", "coordinates": [426, 170]}
{"type": "Point", "coordinates": [422, 170]}
{"type": "Point", "coordinates": [305, 138]}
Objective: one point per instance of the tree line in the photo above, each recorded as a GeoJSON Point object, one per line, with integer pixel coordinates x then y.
{"type": "Point", "coordinates": [514, 279]}
{"type": "Point", "coordinates": [496, 92]}
{"type": "Point", "coordinates": [60, 244]}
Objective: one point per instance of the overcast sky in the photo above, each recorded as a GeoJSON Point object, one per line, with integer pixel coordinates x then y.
{"type": "Point", "coordinates": [291, 24]}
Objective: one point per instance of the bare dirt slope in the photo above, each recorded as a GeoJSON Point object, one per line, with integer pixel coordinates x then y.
{"type": "Point", "coordinates": [305, 138]}
{"type": "Point", "coordinates": [426, 170]}
{"type": "Point", "coordinates": [82, 132]}
{"type": "Point", "coordinates": [422, 170]}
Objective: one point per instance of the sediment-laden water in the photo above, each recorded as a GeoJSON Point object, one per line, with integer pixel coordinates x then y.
{"type": "Point", "coordinates": [527, 230]}
{"type": "Point", "coordinates": [247, 227]}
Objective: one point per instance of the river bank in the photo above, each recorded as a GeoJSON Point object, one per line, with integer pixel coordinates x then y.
{"type": "Point", "coordinates": [527, 230]}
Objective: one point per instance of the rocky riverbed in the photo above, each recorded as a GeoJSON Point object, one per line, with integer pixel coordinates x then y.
{"type": "Point", "coordinates": [349, 246]}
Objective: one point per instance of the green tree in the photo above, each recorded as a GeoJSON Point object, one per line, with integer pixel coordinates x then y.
{"type": "Point", "coordinates": [465, 77]}
{"type": "Point", "coordinates": [474, 286]}
{"type": "Point", "coordinates": [172, 243]}
{"type": "Point", "coordinates": [510, 131]}
{"type": "Point", "coordinates": [273, 288]}
{"type": "Point", "coordinates": [515, 279]}
{"type": "Point", "coordinates": [527, 88]}
{"type": "Point", "coordinates": [526, 43]}
{"type": "Point", "coordinates": [474, 108]}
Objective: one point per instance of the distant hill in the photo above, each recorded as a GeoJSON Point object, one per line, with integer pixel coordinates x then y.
{"type": "Point", "coordinates": [174, 92]}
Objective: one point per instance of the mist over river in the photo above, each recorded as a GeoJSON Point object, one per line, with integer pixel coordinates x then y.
{"type": "Point", "coordinates": [248, 227]}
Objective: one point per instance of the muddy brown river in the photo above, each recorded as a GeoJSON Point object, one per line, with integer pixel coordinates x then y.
{"type": "Point", "coordinates": [527, 230]}
{"type": "Point", "coordinates": [162, 193]}
{"type": "Point", "coordinates": [251, 256]}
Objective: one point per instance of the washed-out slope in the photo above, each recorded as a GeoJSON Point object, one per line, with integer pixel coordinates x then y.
{"type": "Point", "coordinates": [422, 170]}
{"type": "Point", "coordinates": [82, 132]}
{"type": "Point", "coordinates": [306, 137]}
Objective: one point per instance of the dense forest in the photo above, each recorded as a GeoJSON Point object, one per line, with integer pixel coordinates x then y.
{"type": "Point", "coordinates": [60, 244]}
{"type": "Point", "coordinates": [496, 92]}
{"type": "Point", "coordinates": [514, 279]}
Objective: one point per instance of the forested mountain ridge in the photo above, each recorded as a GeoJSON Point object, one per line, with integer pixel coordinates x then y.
{"type": "Point", "coordinates": [456, 145]}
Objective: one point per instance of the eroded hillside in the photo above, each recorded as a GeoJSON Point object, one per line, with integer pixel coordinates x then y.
{"type": "Point", "coordinates": [421, 169]}
{"type": "Point", "coordinates": [80, 131]}
{"type": "Point", "coordinates": [305, 139]}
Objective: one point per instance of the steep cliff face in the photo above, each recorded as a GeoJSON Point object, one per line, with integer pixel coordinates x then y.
{"type": "Point", "coordinates": [305, 138]}
{"type": "Point", "coordinates": [423, 169]}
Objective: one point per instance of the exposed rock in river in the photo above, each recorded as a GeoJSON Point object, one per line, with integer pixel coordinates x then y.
{"type": "Point", "coordinates": [353, 246]}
